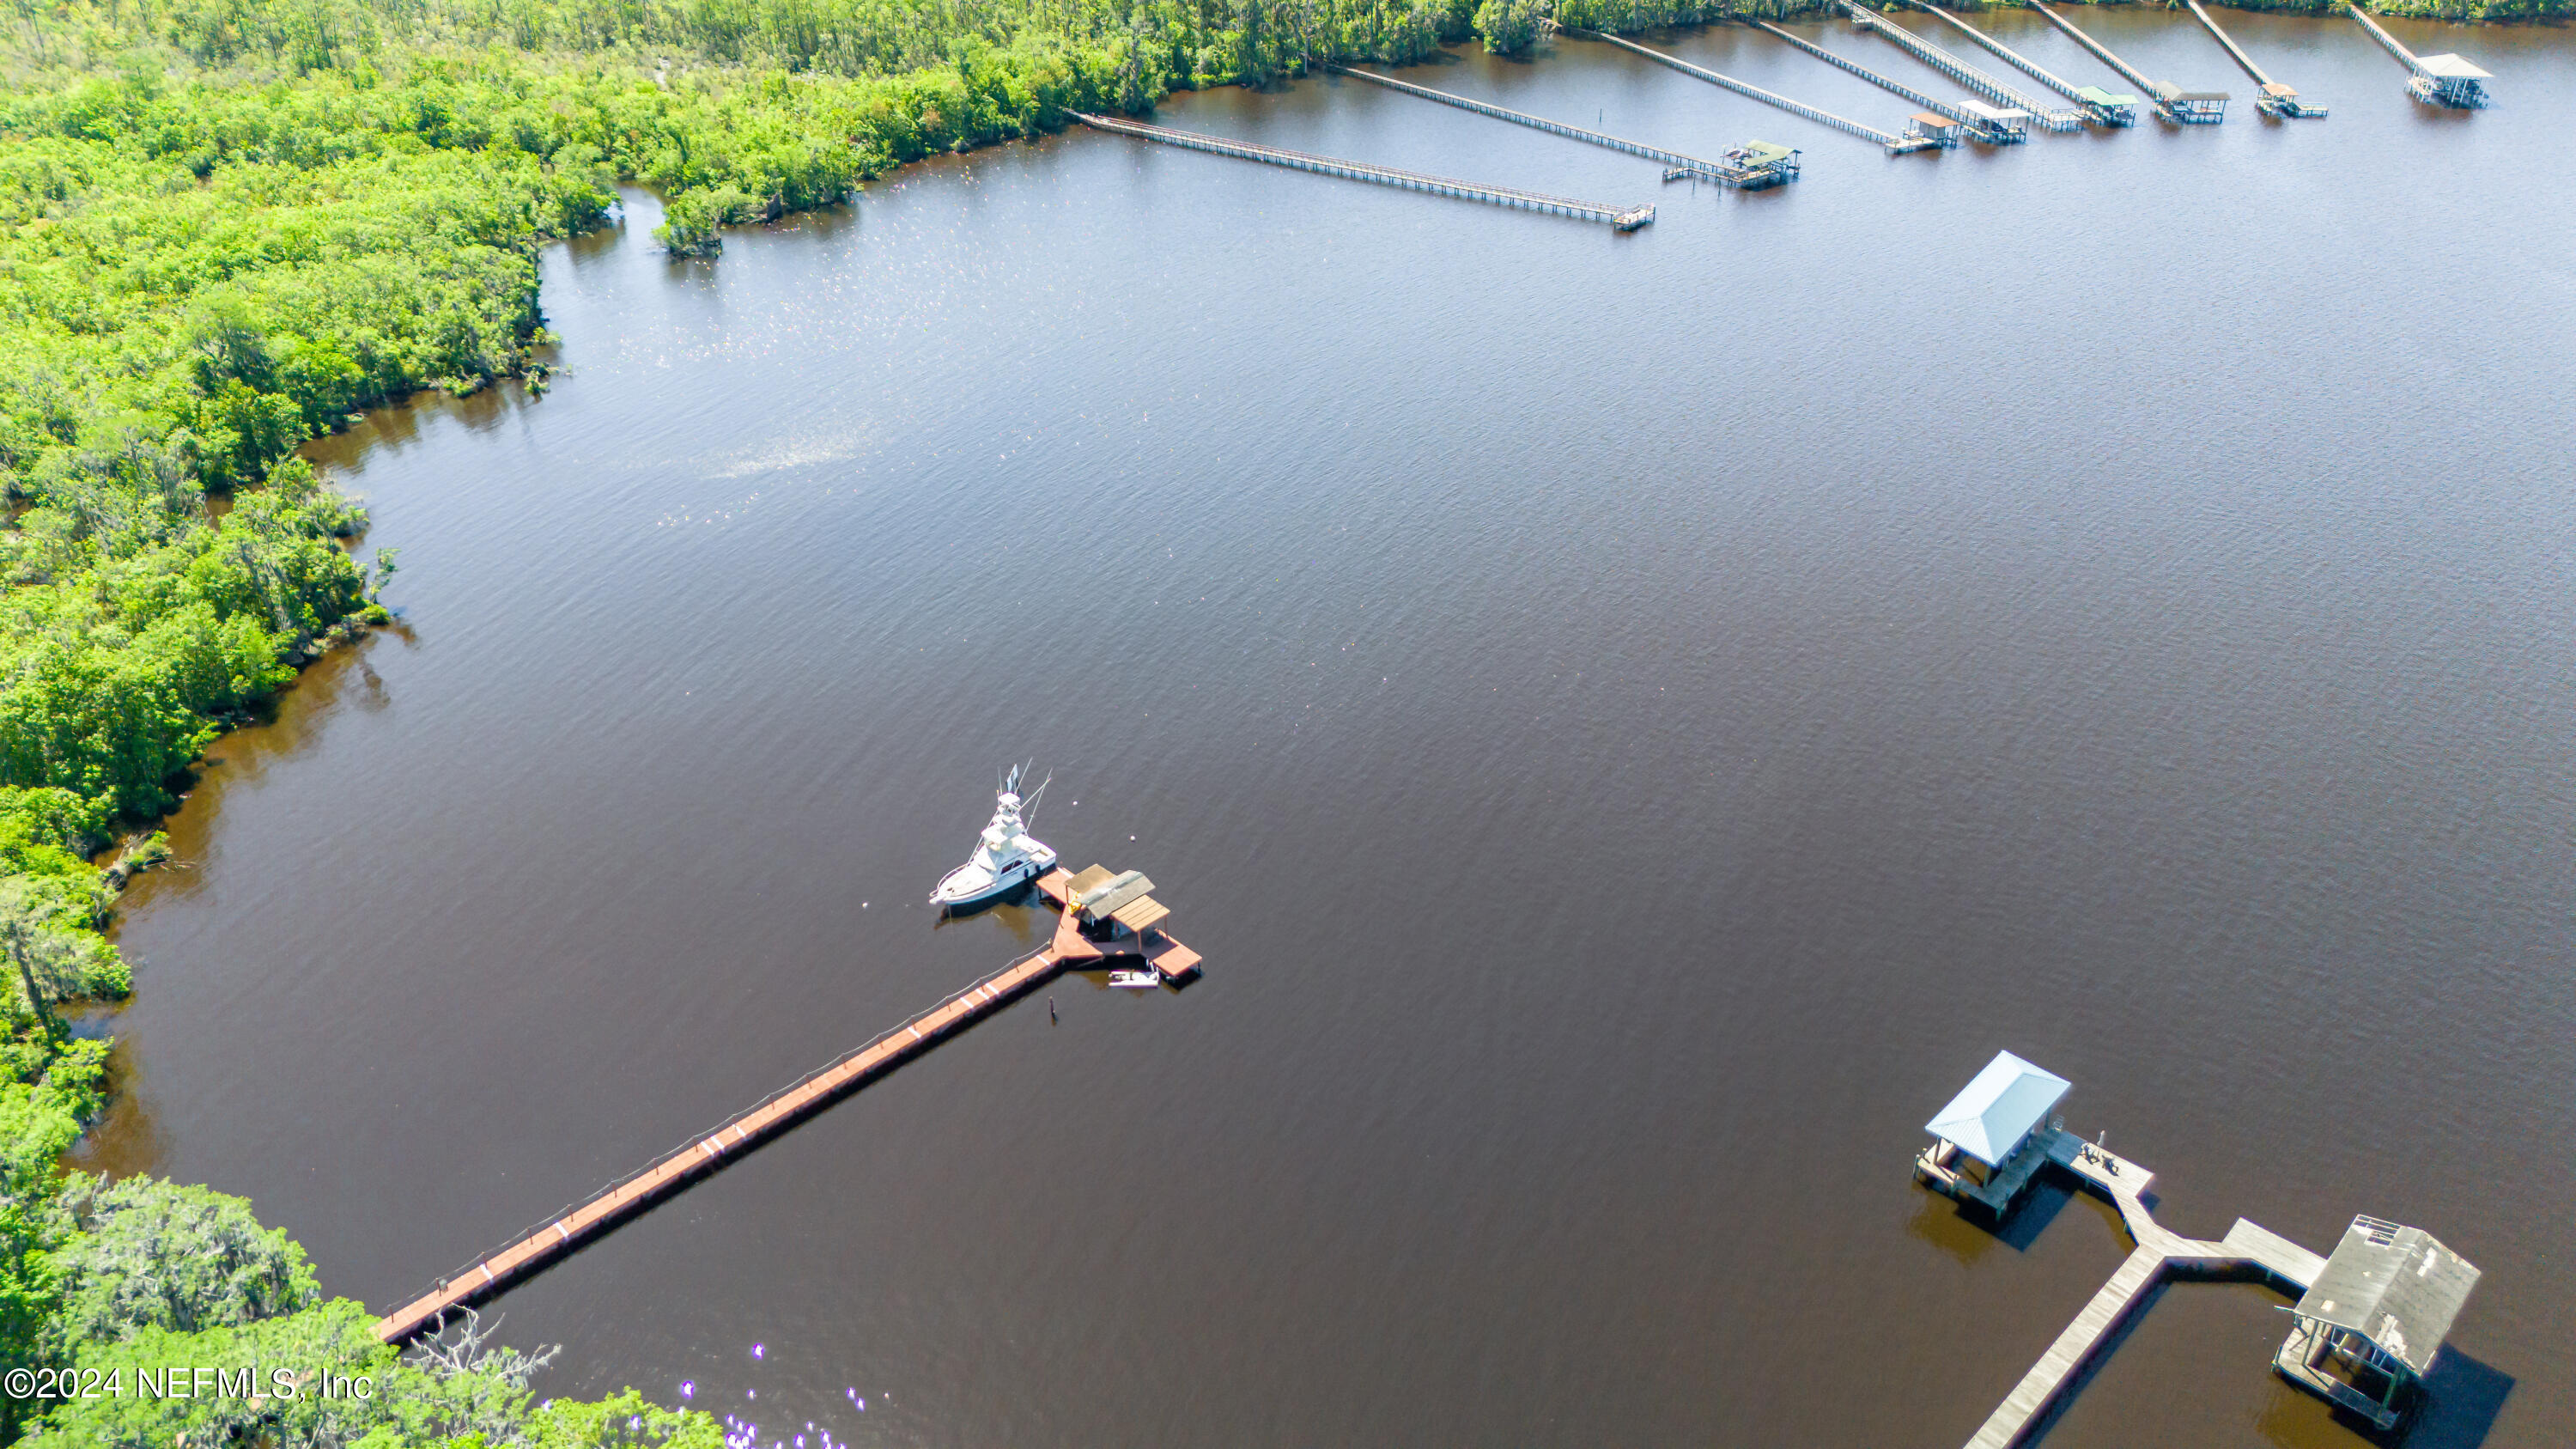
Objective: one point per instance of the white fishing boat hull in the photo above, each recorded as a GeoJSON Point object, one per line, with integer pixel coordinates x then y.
{"type": "Point", "coordinates": [1006, 856]}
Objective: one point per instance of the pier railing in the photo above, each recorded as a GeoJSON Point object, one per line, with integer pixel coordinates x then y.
{"type": "Point", "coordinates": [1796, 108]}
{"type": "Point", "coordinates": [1713, 170]}
{"type": "Point", "coordinates": [1984, 129]}
{"type": "Point", "coordinates": [1959, 70]}
{"type": "Point", "coordinates": [2107, 115]}
{"type": "Point", "coordinates": [1623, 218]}
{"type": "Point", "coordinates": [684, 1160]}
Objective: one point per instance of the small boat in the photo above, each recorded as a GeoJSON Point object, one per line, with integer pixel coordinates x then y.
{"type": "Point", "coordinates": [1006, 856]}
{"type": "Point", "coordinates": [1134, 980]}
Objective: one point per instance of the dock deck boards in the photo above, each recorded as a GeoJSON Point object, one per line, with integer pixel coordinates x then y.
{"type": "Point", "coordinates": [2158, 1251]}
{"type": "Point", "coordinates": [674, 1170]}
{"type": "Point", "coordinates": [2039, 1388]}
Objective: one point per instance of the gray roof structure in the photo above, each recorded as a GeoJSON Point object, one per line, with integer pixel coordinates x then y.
{"type": "Point", "coordinates": [2452, 67]}
{"type": "Point", "coordinates": [1105, 898]}
{"type": "Point", "coordinates": [2396, 1286]}
{"type": "Point", "coordinates": [1997, 1109]}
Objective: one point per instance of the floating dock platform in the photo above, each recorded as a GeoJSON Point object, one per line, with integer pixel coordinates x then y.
{"type": "Point", "coordinates": [1748, 175]}
{"type": "Point", "coordinates": [566, 1232]}
{"type": "Point", "coordinates": [2441, 80]}
{"type": "Point", "coordinates": [1620, 218]}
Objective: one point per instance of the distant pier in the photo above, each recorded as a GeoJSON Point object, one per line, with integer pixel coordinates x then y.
{"type": "Point", "coordinates": [2051, 117]}
{"type": "Point", "coordinates": [2272, 98]}
{"type": "Point", "coordinates": [1620, 218]}
{"type": "Point", "coordinates": [1894, 143]}
{"type": "Point", "coordinates": [2182, 107]}
{"type": "Point", "coordinates": [1983, 122]}
{"type": "Point", "coordinates": [558, 1237]}
{"type": "Point", "coordinates": [2443, 80]}
{"type": "Point", "coordinates": [1749, 177]}
{"type": "Point", "coordinates": [2097, 105]}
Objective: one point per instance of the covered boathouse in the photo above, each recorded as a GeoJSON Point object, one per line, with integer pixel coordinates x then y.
{"type": "Point", "coordinates": [1110, 919]}
{"type": "Point", "coordinates": [1988, 1143]}
{"type": "Point", "coordinates": [2366, 1331]}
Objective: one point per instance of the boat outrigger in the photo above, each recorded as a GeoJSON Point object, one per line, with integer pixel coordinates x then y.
{"type": "Point", "coordinates": [1006, 856]}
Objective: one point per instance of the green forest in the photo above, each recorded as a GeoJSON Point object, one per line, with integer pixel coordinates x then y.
{"type": "Point", "coordinates": [226, 226]}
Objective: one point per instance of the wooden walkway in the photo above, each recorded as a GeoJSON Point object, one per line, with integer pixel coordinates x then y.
{"type": "Point", "coordinates": [2158, 1252]}
{"type": "Point", "coordinates": [1620, 218]}
{"type": "Point", "coordinates": [558, 1237]}
{"type": "Point", "coordinates": [561, 1235]}
{"type": "Point", "coordinates": [1724, 173]}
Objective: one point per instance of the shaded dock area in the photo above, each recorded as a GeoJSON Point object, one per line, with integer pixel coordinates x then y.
{"type": "Point", "coordinates": [1619, 218]}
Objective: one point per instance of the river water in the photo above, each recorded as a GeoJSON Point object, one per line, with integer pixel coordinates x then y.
{"type": "Point", "coordinates": [1632, 722]}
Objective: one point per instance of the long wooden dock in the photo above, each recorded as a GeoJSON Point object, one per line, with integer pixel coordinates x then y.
{"type": "Point", "coordinates": [2183, 108]}
{"type": "Point", "coordinates": [2158, 1253]}
{"type": "Point", "coordinates": [2051, 117]}
{"type": "Point", "coordinates": [2105, 112]}
{"type": "Point", "coordinates": [1979, 126]}
{"type": "Point", "coordinates": [1621, 218]}
{"type": "Point", "coordinates": [1895, 144]}
{"type": "Point", "coordinates": [2445, 80]}
{"type": "Point", "coordinates": [1724, 173]}
{"type": "Point", "coordinates": [559, 1236]}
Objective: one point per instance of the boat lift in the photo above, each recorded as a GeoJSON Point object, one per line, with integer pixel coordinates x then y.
{"type": "Point", "coordinates": [2099, 106]}
{"type": "Point", "coordinates": [2182, 107]}
{"type": "Point", "coordinates": [2441, 80]}
{"type": "Point", "coordinates": [1995, 91]}
{"type": "Point", "coordinates": [2275, 99]}
{"type": "Point", "coordinates": [1994, 126]}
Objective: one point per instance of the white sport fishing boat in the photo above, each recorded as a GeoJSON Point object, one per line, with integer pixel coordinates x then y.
{"type": "Point", "coordinates": [1006, 856]}
{"type": "Point", "coordinates": [1135, 980]}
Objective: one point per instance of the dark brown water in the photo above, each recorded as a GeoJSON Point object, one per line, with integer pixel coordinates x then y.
{"type": "Point", "coordinates": [1632, 722]}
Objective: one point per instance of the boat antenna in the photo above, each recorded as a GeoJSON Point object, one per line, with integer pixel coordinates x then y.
{"type": "Point", "coordinates": [1029, 807]}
